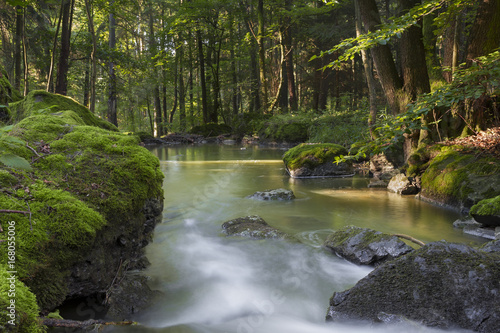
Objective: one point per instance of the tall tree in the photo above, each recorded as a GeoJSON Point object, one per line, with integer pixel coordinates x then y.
{"type": "Point", "coordinates": [93, 54]}
{"type": "Point", "coordinates": [112, 98]}
{"type": "Point", "coordinates": [63, 65]}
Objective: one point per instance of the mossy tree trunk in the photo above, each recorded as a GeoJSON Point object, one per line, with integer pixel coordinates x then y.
{"type": "Point", "coordinates": [485, 35]}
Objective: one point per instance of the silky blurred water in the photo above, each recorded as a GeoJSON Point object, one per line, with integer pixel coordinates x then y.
{"type": "Point", "coordinates": [210, 283]}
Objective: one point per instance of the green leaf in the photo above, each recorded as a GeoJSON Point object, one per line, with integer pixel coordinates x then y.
{"type": "Point", "coordinates": [16, 162]}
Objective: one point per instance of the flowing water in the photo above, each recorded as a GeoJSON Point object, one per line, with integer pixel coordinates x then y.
{"type": "Point", "coordinates": [211, 283]}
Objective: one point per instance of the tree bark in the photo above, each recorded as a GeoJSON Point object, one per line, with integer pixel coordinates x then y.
{"type": "Point", "coordinates": [156, 88]}
{"type": "Point", "coordinates": [54, 48]}
{"type": "Point", "coordinates": [201, 60]}
{"type": "Point", "coordinates": [17, 47]}
{"type": "Point", "coordinates": [485, 35]}
{"type": "Point", "coordinates": [370, 80]}
{"type": "Point", "coordinates": [382, 57]}
{"type": "Point", "coordinates": [63, 65]}
{"type": "Point", "coordinates": [290, 73]}
{"type": "Point", "coordinates": [112, 99]}
{"type": "Point", "coordinates": [262, 55]}
{"type": "Point", "coordinates": [93, 61]}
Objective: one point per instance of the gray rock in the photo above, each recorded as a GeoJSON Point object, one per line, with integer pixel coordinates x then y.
{"type": "Point", "coordinates": [327, 169]}
{"type": "Point", "coordinates": [365, 246]}
{"type": "Point", "coordinates": [403, 185]}
{"type": "Point", "coordinates": [278, 194]}
{"type": "Point", "coordinates": [252, 227]}
{"type": "Point", "coordinates": [442, 285]}
{"type": "Point", "coordinates": [491, 247]}
{"type": "Point", "coordinates": [131, 295]}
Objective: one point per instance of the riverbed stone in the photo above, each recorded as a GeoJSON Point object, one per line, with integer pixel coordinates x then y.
{"type": "Point", "coordinates": [317, 160]}
{"type": "Point", "coordinates": [253, 227]}
{"type": "Point", "coordinates": [401, 184]}
{"type": "Point", "coordinates": [443, 285]}
{"type": "Point", "coordinates": [365, 246]}
{"type": "Point", "coordinates": [277, 194]}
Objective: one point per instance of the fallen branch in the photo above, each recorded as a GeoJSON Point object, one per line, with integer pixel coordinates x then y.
{"type": "Point", "coordinates": [9, 211]}
{"type": "Point", "coordinates": [414, 240]}
{"type": "Point", "coordinates": [52, 322]}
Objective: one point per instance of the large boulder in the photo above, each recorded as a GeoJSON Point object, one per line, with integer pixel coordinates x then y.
{"type": "Point", "coordinates": [94, 195]}
{"type": "Point", "coordinates": [253, 227]}
{"type": "Point", "coordinates": [401, 184]}
{"type": "Point", "coordinates": [365, 246]}
{"type": "Point", "coordinates": [278, 194]}
{"type": "Point", "coordinates": [442, 285]}
{"type": "Point", "coordinates": [487, 212]}
{"type": "Point", "coordinates": [316, 160]}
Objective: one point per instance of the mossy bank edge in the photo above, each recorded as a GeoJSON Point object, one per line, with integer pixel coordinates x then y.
{"type": "Point", "coordinates": [94, 197]}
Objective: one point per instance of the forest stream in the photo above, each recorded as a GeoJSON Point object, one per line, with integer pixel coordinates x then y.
{"type": "Point", "coordinates": [212, 283]}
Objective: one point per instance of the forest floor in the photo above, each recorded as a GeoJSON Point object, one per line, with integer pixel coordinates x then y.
{"type": "Point", "coordinates": [485, 142]}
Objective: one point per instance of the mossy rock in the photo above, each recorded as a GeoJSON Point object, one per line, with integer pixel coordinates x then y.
{"type": "Point", "coordinates": [7, 95]}
{"type": "Point", "coordinates": [460, 179]}
{"type": "Point", "coordinates": [39, 102]}
{"type": "Point", "coordinates": [316, 160]}
{"type": "Point", "coordinates": [211, 129]}
{"type": "Point", "coordinates": [25, 317]}
{"type": "Point", "coordinates": [487, 212]}
{"type": "Point", "coordinates": [94, 195]}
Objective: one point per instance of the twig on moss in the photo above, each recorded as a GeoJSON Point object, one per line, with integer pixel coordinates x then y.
{"type": "Point", "coordinates": [33, 150]}
{"type": "Point", "coordinates": [52, 322]}
{"type": "Point", "coordinates": [11, 211]}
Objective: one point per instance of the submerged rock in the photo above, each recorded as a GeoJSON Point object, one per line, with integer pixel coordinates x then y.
{"type": "Point", "coordinates": [442, 285]}
{"type": "Point", "coordinates": [253, 227]}
{"type": "Point", "coordinates": [365, 246]}
{"type": "Point", "coordinates": [317, 160]}
{"type": "Point", "coordinates": [401, 184]}
{"type": "Point", "coordinates": [278, 194]}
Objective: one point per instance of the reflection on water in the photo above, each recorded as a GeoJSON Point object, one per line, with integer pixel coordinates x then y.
{"type": "Point", "coordinates": [211, 283]}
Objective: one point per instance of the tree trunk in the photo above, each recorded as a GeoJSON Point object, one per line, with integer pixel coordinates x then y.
{"type": "Point", "coordinates": [201, 61]}
{"type": "Point", "coordinates": [156, 88]}
{"type": "Point", "coordinates": [17, 47]}
{"type": "Point", "coordinates": [485, 35]}
{"type": "Point", "coordinates": [382, 57]}
{"type": "Point", "coordinates": [54, 48]}
{"type": "Point", "coordinates": [370, 80]}
{"type": "Point", "coordinates": [93, 60]}
{"type": "Point", "coordinates": [112, 99]}
{"type": "Point", "coordinates": [262, 55]}
{"type": "Point", "coordinates": [63, 65]}
{"type": "Point", "coordinates": [25, 57]}
{"type": "Point", "coordinates": [450, 48]}
{"type": "Point", "coordinates": [290, 73]}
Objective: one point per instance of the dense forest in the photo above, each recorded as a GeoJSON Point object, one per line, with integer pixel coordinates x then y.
{"type": "Point", "coordinates": [419, 70]}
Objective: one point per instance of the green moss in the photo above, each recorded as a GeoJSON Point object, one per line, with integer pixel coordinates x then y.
{"type": "Point", "coordinates": [459, 179]}
{"type": "Point", "coordinates": [26, 308]}
{"type": "Point", "coordinates": [60, 229]}
{"type": "Point", "coordinates": [41, 102]}
{"type": "Point", "coordinates": [7, 179]}
{"type": "Point", "coordinates": [84, 177]}
{"type": "Point", "coordinates": [487, 207]}
{"type": "Point", "coordinates": [285, 128]}
{"type": "Point", "coordinates": [312, 154]}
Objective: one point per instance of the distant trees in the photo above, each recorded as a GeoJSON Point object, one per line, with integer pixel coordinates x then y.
{"type": "Point", "coordinates": [169, 65]}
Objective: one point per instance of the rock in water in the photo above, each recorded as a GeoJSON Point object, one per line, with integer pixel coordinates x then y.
{"type": "Point", "coordinates": [402, 185]}
{"type": "Point", "coordinates": [442, 285]}
{"type": "Point", "coordinates": [278, 194]}
{"type": "Point", "coordinates": [317, 160]}
{"type": "Point", "coordinates": [365, 246]}
{"type": "Point", "coordinates": [253, 227]}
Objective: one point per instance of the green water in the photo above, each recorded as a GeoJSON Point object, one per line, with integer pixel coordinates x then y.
{"type": "Point", "coordinates": [211, 283]}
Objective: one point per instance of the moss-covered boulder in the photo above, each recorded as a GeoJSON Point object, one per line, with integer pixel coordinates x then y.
{"type": "Point", "coordinates": [442, 285]}
{"type": "Point", "coordinates": [316, 160]}
{"type": "Point", "coordinates": [487, 212]}
{"type": "Point", "coordinates": [39, 102]}
{"type": "Point", "coordinates": [18, 307]}
{"type": "Point", "coordinates": [460, 179]}
{"type": "Point", "coordinates": [253, 227]}
{"type": "Point", "coordinates": [7, 95]}
{"type": "Point", "coordinates": [365, 246]}
{"type": "Point", "coordinates": [93, 197]}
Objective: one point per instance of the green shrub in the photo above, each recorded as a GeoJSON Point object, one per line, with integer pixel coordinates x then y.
{"type": "Point", "coordinates": [287, 128]}
{"type": "Point", "coordinates": [211, 129]}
